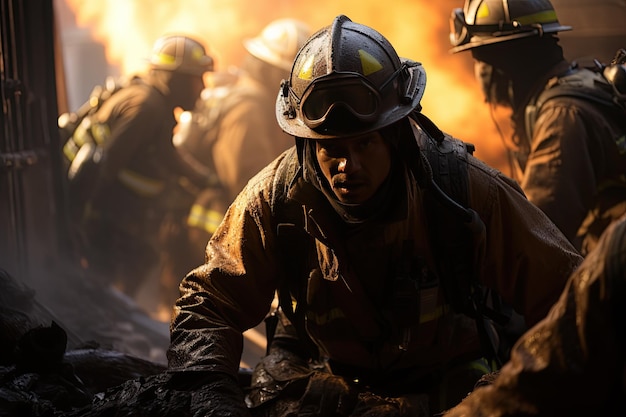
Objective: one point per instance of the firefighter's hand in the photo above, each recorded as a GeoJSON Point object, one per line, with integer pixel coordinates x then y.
{"type": "Point", "coordinates": [210, 394]}
{"type": "Point", "coordinates": [327, 395]}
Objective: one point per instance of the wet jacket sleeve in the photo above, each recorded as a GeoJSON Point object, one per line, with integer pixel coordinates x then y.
{"type": "Point", "coordinates": [232, 292]}
{"type": "Point", "coordinates": [524, 257]}
{"type": "Point", "coordinates": [566, 160]}
{"type": "Point", "coordinates": [572, 362]}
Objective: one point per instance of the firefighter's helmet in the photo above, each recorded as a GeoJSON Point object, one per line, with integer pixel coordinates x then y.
{"type": "Point", "coordinates": [181, 54]}
{"type": "Point", "coordinates": [484, 22]}
{"type": "Point", "coordinates": [279, 42]}
{"type": "Point", "coordinates": [347, 80]}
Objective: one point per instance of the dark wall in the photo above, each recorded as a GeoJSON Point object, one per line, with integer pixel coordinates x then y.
{"type": "Point", "coordinates": [32, 224]}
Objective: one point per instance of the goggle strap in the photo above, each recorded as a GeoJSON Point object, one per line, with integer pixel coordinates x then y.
{"type": "Point", "coordinates": [285, 88]}
{"type": "Point", "coordinates": [393, 76]}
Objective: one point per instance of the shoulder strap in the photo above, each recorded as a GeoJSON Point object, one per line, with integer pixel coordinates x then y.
{"type": "Point", "coordinates": [458, 233]}
{"type": "Point", "coordinates": [456, 228]}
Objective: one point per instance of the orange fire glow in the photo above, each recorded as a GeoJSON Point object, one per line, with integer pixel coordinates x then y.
{"type": "Point", "coordinates": [418, 29]}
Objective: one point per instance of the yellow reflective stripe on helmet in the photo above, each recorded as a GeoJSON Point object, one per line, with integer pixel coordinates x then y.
{"type": "Point", "coordinates": [205, 219]}
{"type": "Point", "coordinates": [140, 184]}
{"type": "Point", "coordinates": [546, 16]}
{"type": "Point", "coordinates": [306, 70]}
{"type": "Point", "coordinates": [162, 58]}
{"type": "Point", "coordinates": [483, 11]}
{"type": "Point", "coordinates": [197, 53]}
{"type": "Point", "coordinates": [369, 64]}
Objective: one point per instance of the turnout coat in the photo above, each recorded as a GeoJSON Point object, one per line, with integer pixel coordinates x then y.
{"type": "Point", "coordinates": [346, 286]}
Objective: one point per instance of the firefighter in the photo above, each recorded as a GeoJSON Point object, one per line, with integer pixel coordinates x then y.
{"type": "Point", "coordinates": [233, 130]}
{"type": "Point", "coordinates": [345, 225]}
{"type": "Point", "coordinates": [137, 166]}
{"type": "Point", "coordinates": [569, 144]}
{"type": "Point", "coordinates": [573, 363]}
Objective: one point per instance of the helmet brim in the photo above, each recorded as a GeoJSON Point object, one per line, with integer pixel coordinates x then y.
{"type": "Point", "coordinates": [478, 40]}
{"type": "Point", "coordinates": [257, 48]}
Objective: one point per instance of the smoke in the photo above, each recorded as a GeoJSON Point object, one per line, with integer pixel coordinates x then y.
{"type": "Point", "coordinates": [417, 29]}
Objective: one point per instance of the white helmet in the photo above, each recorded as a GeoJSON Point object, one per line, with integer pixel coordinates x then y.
{"type": "Point", "coordinates": [279, 42]}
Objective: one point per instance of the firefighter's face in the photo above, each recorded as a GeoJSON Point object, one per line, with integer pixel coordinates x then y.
{"type": "Point", "coordinates": [494, 82]}
{"type": "Point", "coordinates": [495, 85]}
{"type": "Point", "coordinates": [187, 89]}
{"type": "Point", "coordinates": [354, 167]}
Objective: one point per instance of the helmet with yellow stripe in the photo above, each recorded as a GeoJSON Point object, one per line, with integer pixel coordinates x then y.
{"type": "Point", "coordinates": [180, 53]}
{"type": "Point", "coordinates": [484, 22]}
{"type": "Point", "coordinates": [347, 80]}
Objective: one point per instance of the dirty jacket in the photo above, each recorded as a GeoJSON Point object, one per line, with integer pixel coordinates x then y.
{"type": "Point", "coordinates": [248, 137]}
{"type": "Point", "coordinates": [574, 165]}
{"type": "Point", "coordinates": [349, 272]}
{"type": "Point", "coordinates": [234, 133]}
{"type": "Point", "coordinates": [573, 362]}
{"type": "Point", "coordinates": [139, 160]}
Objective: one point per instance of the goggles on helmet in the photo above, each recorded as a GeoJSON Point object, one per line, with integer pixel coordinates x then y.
{"type": "Point", "coordinates": [461, 32]}
{"type": "Point", "coordinates": [348, 90]}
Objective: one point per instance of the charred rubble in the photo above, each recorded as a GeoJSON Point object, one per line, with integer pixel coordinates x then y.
{"type": "Point", "coordinates": [45, 372]}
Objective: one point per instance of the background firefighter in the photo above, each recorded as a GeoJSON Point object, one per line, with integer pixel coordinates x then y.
{"type": "Point", "coordinates": [135, 168]}
{"type": "Point", "coordinates": [574, 361]}
{"type": "Point", "coordinates": [568, 150]}
{"type": "Point", "coordinates": [233, 130]}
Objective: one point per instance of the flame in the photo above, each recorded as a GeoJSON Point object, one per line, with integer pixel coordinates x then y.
{"type": "Point", "coordinates": [417, 29]}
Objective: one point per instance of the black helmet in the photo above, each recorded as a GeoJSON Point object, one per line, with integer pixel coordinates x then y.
{"type": "Point", "coordinates": [483, 22]}
{"type": "Point", "coordinates": [347, 80]}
